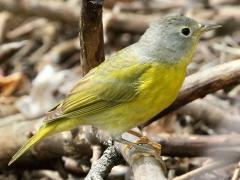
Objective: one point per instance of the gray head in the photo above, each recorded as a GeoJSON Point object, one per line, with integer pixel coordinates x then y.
{"type": "Point", "coordinates": [171, 39]}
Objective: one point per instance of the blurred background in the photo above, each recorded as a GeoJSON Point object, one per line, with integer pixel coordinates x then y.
{"type": "Point", "coordinates": [40, 63]}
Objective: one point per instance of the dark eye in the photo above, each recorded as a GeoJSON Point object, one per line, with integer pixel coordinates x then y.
{"type": "Point", "coordinates": [185, 31]}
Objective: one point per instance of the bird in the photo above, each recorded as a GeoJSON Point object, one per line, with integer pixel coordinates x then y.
{"type": "Point", "coordinates": [131, 86]}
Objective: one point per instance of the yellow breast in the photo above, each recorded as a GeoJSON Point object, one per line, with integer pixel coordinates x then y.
{"type": "Point", "coordinates": [159, 88]}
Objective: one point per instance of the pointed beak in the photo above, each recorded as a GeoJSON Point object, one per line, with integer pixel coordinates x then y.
{"type": "Point", "coordinates": [208, 27]}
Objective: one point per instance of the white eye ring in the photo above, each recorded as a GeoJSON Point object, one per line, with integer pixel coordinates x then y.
{"type": "Point", "coordinates": [186, 32]}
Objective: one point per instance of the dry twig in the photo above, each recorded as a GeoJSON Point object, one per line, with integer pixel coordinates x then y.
{"type": "Point", "coordinates": [212, 115]}
{"type": "Point", "coordinates": [204, 169]}
{"type": "Point", "coordinates": [103, 166]}
{"type": "Point", "coordinates": [236, 173]}
{"type": "Point", "coordinates": [91, 35]}
{"type": "Point", "coordinates": [220, 146]}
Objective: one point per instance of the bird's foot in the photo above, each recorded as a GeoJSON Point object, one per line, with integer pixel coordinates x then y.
{"type": "Point", "coordinates": [143, 147]}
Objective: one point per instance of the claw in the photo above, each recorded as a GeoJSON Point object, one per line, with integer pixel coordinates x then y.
{"type": "Point", "coordinates": [143, 147]}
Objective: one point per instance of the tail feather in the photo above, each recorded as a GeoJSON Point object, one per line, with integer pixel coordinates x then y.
{"type": "Point", "coordinates": [43, 132]}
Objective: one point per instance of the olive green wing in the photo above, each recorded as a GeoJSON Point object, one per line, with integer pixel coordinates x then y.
{"type": "Point", "coordinates": [100, 91]}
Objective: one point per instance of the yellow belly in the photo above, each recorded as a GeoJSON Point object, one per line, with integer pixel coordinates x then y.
{"type": "Point", "coordinates": [159, 88]}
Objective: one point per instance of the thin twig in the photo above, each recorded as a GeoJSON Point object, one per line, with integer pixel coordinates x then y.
{"type": "Point", "coordinates": [204, 169]}
{"type": "Point", "coordinates": [236, 173]}
{"type": "Point", "coordinates": [212, 115]}
{"type": "Point", "coordinates": [198, 145]}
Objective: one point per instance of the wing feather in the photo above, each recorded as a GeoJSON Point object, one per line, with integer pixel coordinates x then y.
{"type": "Point", "coordinates": [100, 91]}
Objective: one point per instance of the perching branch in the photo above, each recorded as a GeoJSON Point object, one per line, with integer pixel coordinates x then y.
{"type": "Point", "coordinates": [144, 165]}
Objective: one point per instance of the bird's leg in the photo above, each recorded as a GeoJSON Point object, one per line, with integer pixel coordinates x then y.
{"type": "Point", "coordinates": [130, 145]}
{"type": "Point", "coordinates": [143, 146]}
{"type": "Point", "coordinates": [134, 133]}
{"type": "Point", "coordinates": [156, 147]}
